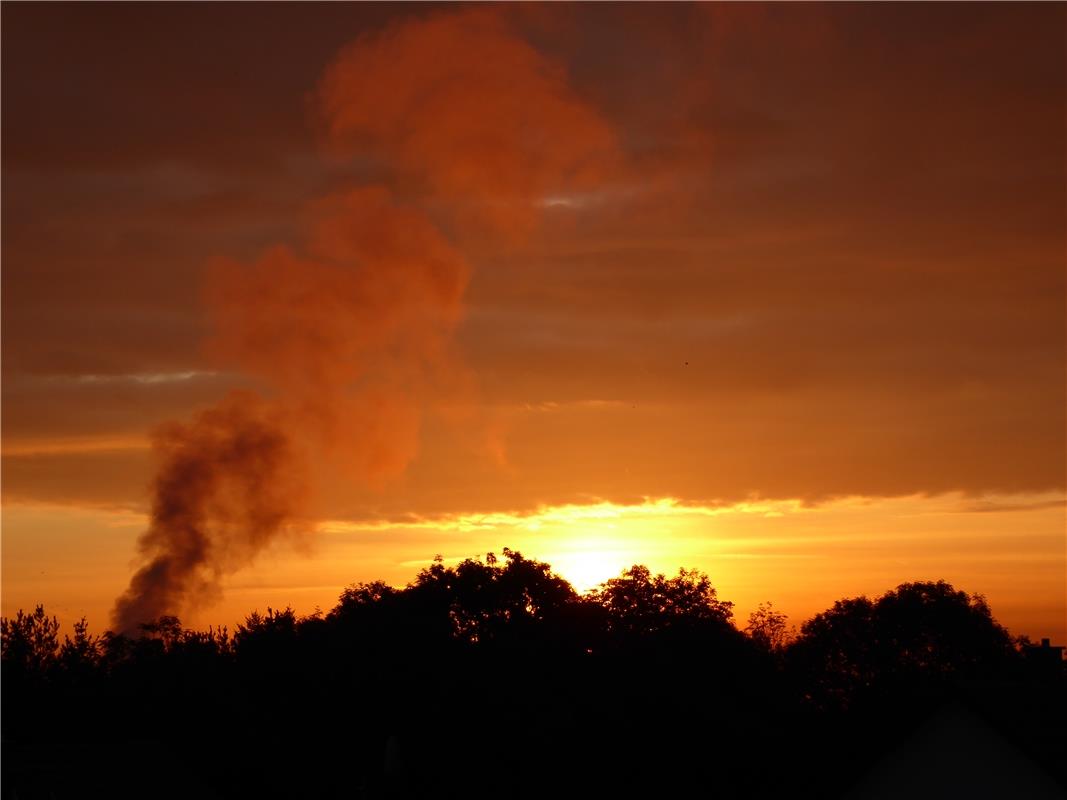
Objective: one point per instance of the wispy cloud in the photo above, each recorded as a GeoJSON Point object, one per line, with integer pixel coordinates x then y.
{"type": "Point", "coordinates": [74, 444]}
{"type": "Point", "coordinates": [148, 378]}
{"type": "Point", "coordinates": [596, 510]}
{"type": "Point", "coordinates": [992, 506]}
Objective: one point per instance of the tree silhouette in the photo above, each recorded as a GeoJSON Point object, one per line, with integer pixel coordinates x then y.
{"type": "Point", "coordinates": [493, 678]}
{"type": "Point", "coordinates": [920, 636]}
{"type": "Point", "coordinates": [79, 657]}
{"type": "Point", "coordinates": [769, 628]}
{"type": "Point", "coordinates": [167, 631]}
{"type": "Point", "coordinates": [29, 642]}
{"type": "Point", "coordinates": [639, 603]}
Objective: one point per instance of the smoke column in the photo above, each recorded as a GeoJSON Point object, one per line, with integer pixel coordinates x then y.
{"type": "Point", "coordinates": [351, 332]}
{"type": "Point", "coordinates": [224, 489]}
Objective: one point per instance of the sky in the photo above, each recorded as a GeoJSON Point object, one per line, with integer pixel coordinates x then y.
{"type": "Point", "coordinates": [772, 291]}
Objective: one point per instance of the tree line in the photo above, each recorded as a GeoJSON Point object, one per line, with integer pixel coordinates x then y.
{"type": "Point", "coordinates": [495, 678]}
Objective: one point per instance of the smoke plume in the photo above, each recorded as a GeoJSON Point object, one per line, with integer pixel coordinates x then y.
{"type": "Point", "coordinates": [225, 488]}
{"type": "Point", "coordinates": [350, 333]}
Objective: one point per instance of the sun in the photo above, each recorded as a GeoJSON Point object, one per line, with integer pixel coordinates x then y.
{"type": "Point", "coordinates": [590, 544]}
{"type": "Point", "coordinates": [586, 565]}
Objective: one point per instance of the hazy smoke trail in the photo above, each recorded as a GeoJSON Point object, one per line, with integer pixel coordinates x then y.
{"type": "Point", "coordinates": [470, 114]}
{"type": "Point", "coordinates": [349, 333]}
{"type": "Point", "coordinates": [352, 331]}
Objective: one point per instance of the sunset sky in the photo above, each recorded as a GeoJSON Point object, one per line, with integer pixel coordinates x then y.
{"type": "Point", "coordinates": [777, 292]}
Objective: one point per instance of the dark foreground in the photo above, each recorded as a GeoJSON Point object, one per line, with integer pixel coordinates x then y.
{"type": "Point", "coordinates": [496, 680]}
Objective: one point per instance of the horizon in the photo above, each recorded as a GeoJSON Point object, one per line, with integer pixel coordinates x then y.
{"type": "Point", "coordinates": [608, 544]}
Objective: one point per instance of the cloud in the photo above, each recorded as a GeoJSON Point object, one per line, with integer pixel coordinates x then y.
{"type": "Point", "coordinates": [145, 377]}
{"type": "Point", "coordinates": [997, 507]}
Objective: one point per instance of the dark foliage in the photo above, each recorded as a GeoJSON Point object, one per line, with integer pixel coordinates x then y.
{"type": "Point", "coordinates": [918, 639]}
{"type": "Point", "coordinates": [493, 678]}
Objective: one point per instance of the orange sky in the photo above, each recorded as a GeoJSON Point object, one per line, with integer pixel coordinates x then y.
{"type": "Point", "coordinates": [808, 258]}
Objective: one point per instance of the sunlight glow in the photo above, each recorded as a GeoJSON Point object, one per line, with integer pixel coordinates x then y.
{"type": "Point", "coordinates": [588, 544]}
{"type": "Point", "coordinates": [801, 557]}
{"type": "Point", "coordinates": [586, 566]}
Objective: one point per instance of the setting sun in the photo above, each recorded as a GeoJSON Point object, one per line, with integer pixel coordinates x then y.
{"type": "Point", "coordinates": [588, 564]}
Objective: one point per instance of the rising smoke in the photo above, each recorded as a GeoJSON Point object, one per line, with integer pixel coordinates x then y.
{"type": "Point", "coordinates": [351, 332]}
